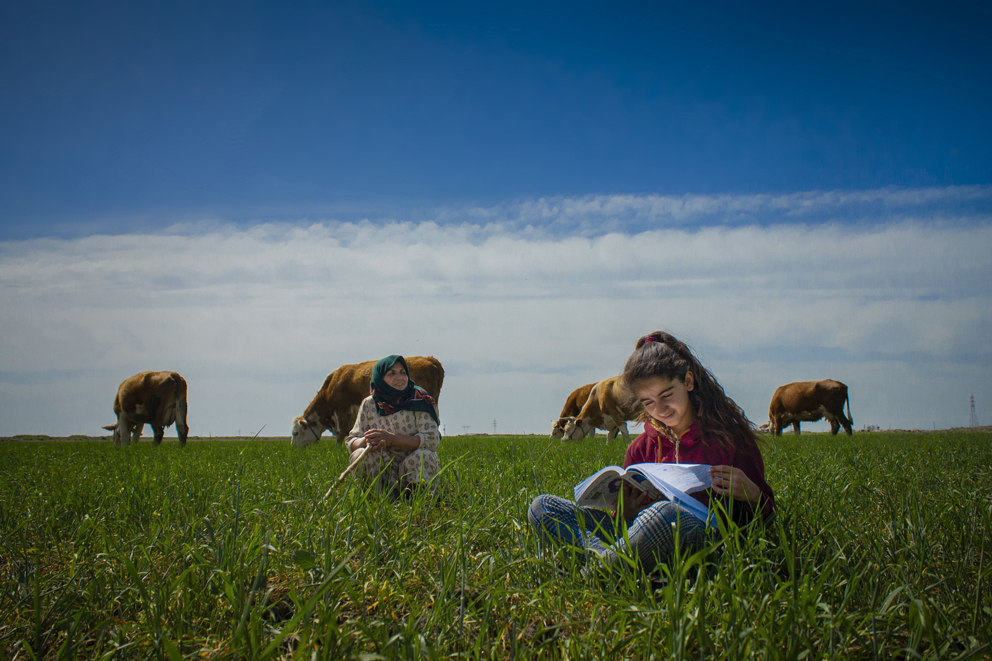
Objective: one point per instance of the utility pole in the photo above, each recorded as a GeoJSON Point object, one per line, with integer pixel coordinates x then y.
{"type": "Point", "coordinates": [974, 416]}
{"type": "Point", "coordinates": [494, 426]}
{"type": "Point", "coordinates": [464, 430]}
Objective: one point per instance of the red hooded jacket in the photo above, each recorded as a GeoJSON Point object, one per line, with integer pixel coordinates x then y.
{"type": "Point", "coordinates": [654, 447]}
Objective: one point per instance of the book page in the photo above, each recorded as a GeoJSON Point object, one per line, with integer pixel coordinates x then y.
{"type": "Point", "coordinates": [671, 481]}
{"type": "Point", "coordinates": [677, 481]}
{"type": "Point", "coordinates": [600, 489]}
{"type": "Point", "coordinates": [687, 478]}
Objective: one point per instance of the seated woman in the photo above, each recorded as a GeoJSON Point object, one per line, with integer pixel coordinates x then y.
{"type": "Point", "coordinates": [687, 419]}
{"type": "Point", "coordinates": [398, 423]}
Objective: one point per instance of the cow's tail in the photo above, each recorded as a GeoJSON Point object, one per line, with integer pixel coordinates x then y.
{"type": "Point", "coordinates": [112, 427]}
{"type": "Point", "coordinates": [179, 383]}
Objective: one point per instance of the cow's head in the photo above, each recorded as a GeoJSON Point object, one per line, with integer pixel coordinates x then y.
{"type": "Point", "coordinates": [558, 428]}
{"type": "Point", "coordinates": [574, 430]}
{"type": "Point", "coordinates": [305, 432]}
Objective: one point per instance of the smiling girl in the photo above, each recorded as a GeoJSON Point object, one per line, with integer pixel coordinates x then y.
{"type": "Point", "coordinates": [687, 419]}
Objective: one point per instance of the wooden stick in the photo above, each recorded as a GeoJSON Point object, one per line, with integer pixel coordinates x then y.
{"type": "Point", "coordinates": [362, 452]}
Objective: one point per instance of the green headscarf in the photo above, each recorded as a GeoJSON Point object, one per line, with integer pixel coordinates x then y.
{"type": "Point", "coordinates": [389, 400]}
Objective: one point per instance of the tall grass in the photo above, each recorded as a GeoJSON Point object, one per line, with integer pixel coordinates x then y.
{"type": "Point", "coordinates": [881, 548]}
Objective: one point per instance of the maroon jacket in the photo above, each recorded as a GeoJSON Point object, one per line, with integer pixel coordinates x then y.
{"type": "Point", "coordinates": [692, 450]}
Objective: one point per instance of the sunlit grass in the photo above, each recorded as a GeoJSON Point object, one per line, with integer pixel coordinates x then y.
{"type": "Point", "coordinates": [881, 548]}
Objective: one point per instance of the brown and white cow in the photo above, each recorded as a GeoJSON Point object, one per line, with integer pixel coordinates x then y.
{"type": "Point", "coordinates": [573, 405]}
{"type": "Point", "coordinates": [335, 407]}
{"type": "Point", "coordinates": [154, 398]}
{"type": "Point", "coordinates": [809, 401]}
{"type": "Point", "coordinates": [609, 406]}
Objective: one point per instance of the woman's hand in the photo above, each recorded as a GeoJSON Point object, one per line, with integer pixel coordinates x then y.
{"type": "Point", "coordinates": [727, 480]}
{"type": "Point", "coordinates": [379, 439]}
{"type": "Point", "coordinates": [632, 501]}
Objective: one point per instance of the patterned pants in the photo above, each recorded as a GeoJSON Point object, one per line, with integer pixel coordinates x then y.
{"type": "Point", "coordinates": [649, 538]}
{"type": "Point", "coordinates": [392, 470]}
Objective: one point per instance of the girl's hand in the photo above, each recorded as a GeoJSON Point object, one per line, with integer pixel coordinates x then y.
{"type": "Point", "coordinates": [632, 501]}
{"type": "Point", "coordinates": [727, 480]}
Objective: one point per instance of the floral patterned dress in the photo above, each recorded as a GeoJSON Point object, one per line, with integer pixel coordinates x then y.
{"type": "Point", "coordinates": [394, 468]}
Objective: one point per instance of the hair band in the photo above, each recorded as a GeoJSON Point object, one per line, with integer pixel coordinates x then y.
{"type": "Point", "coordinates": [651, 338]}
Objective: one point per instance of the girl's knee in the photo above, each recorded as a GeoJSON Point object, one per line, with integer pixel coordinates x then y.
{"type": "Point", "coordinates": [536, 510]}
{"type": "Point", "coordinates": [546, 507]}
{"type": "Point", "coordinates": [665, 510]}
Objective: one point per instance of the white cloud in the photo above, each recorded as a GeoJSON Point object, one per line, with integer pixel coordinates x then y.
{"type": "Point", "coordinates": [597, 214]}
{"type": "Point", "coordinates": [255, 317]}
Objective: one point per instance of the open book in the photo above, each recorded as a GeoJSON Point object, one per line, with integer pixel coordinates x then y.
{"type": "Point", "coordinates": [670, 481]}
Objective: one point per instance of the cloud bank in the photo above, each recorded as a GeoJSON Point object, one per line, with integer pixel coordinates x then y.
{"type": "Point", "coordinates": [520, 312]}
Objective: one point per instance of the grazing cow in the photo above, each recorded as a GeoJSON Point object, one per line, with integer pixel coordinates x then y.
{"type": "Point", "coordinates": [154, 398]}
{"type": "Point", "coordinates": [609, 406]}
{"type": "Point", "coordinates": [573, 405]}
{"type": "Point", "coordinates": [808, 401]}
{"type": "Point", "coordinates": [335, 407]}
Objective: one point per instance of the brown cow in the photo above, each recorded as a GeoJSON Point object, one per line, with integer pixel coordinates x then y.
{"type": "Point", "coordinates": [609, 406]}
{"type": "Point", "coordinates": [335, 407]}
{"type": "Point", "coordinates": [154, 398]}
{"type": "Point", "coordinates": [809, 401]}
{"type": "Point", "coordinates": [573, 405]}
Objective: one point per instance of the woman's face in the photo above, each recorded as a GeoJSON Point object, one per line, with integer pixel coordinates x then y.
{"type": "Point", "coordinates": [667, 401]}
{"type": "Point", "coordinates": [396, 377]}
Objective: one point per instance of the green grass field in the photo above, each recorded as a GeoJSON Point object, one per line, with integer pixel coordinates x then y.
{"type": "Point", "coordinates": [881, 549]}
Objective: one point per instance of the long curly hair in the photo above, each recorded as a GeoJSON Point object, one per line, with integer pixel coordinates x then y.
{"type": "Point", "coordinates": [662, 355]}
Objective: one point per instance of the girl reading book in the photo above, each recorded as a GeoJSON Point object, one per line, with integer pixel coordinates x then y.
{"type": "Point", "coordinates": [687, 419]}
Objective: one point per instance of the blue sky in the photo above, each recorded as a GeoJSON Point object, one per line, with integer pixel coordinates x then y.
{"type": "Point", "coordinates": [182, 183]}
{"type": "Point", "coordinates": [116, 113]}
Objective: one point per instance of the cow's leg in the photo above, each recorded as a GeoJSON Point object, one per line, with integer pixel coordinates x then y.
{"type": "Point", "coordinates": [848, 425]}
{"type": "Point", "coordinates": [159, 432]}
{"type": "Point", "coordinates": [182, 429]}
{"type": "Point", "coordinates": [121, 431]}
{"type": "Point", "coordinates": [136, 431]}
{"type": "Point", "coordinates": [795, 427]}
{"type": "Point", "coordinates": [775, 426]}
{"type": "Point", "coordinates": [349, 424]}
{"type": "Point", "coordinates": [611, 428]}
{"type": "Point", "coordinates": [625, 433]}
{"type": "Point", "coordinates": [834, 426]}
